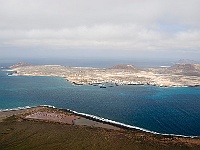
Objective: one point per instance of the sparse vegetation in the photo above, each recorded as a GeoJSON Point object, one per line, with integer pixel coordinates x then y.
{"type": "Point", "coordinates": [17, 133]}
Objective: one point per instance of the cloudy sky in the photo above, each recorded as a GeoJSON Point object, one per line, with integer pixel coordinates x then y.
{"type": "Point", "coordinates": [100, 28]}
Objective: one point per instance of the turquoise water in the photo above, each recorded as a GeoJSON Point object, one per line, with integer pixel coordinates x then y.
{"type": "Point", "coordinates": [163, 110]}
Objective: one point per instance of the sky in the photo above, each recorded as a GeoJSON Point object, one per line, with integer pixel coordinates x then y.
{"type": "Point", "coordinates": [91, 29]}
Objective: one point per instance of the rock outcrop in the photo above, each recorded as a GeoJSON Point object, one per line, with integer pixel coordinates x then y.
{"type": "Point", "coordinates": [20, 64]}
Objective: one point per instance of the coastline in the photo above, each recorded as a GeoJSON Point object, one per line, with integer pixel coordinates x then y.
{"type": "Point", "coordinates": [112, 122]}
{"type": "Point", "coordinates": [104, 82]}
{"type": "Point", "coordinates": [124, 127]}
{"type": "Point", "coordinates": [19, 110]}
{"type": "Point", "coordinates": [80, 131]}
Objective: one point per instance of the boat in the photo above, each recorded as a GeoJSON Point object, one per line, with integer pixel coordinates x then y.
{"type": "Point", "coordinates": [74, 83]}
{"type": "Point", "coordinates": [102, 86]}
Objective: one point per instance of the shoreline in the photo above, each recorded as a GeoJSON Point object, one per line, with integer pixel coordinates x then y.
{"type": "Point", "coordinates": [94, 118]}
{"type": "Point", "coordinates": [104, 82]}
{"type": "Point", "coordinates": [96, 84]}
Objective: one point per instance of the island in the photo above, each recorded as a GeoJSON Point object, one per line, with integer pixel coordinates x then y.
{"type": "Point", "coordinates": [123, 74]}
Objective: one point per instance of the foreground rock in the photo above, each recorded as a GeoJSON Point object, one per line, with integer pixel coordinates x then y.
{"type": "Point", "coordinates": [41, 128]}
{"type": "Point", "coordinates": [53, 115]}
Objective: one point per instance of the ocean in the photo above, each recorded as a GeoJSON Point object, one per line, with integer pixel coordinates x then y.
{"type": "Point", "coordinates": [163, 110]}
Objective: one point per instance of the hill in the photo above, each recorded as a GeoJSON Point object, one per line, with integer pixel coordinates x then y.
{"type": "Point", "coordinates": [124, 66]}
{"type": "Point", "coordinates": [186, 61]}
{"type": "Point", "coordinates": [185, 69]}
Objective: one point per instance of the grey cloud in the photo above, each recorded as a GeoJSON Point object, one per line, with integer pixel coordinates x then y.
{"type": "Point", "coordinates": [131, 25]}
{"type": "Point", "coordinates": [62, 13]}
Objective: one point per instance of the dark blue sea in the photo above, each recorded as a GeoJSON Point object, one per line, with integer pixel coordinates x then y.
{"type": "Point", "coordinates": [162, 110]}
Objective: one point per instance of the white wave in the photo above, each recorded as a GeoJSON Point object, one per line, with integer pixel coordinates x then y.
{"type": "Point", "coordinates": [180, 86]}
{"type": "Point", "coordinates": [17, 108]}
{"type": "Point", "coordinates": [48, 106]}
{"type": "Point", "coordinates": [7, 70]}
{"type": "Point", "coordinates": [127, 126]}
{"type": "Point", "coordinates": [119, 123]}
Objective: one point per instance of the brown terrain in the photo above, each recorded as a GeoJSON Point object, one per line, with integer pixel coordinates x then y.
{"type": "Point", "coordinates": [51, 128]}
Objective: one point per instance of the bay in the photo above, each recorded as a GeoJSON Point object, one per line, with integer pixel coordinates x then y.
{"type": "Point", "coordinates": [162, 110]}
